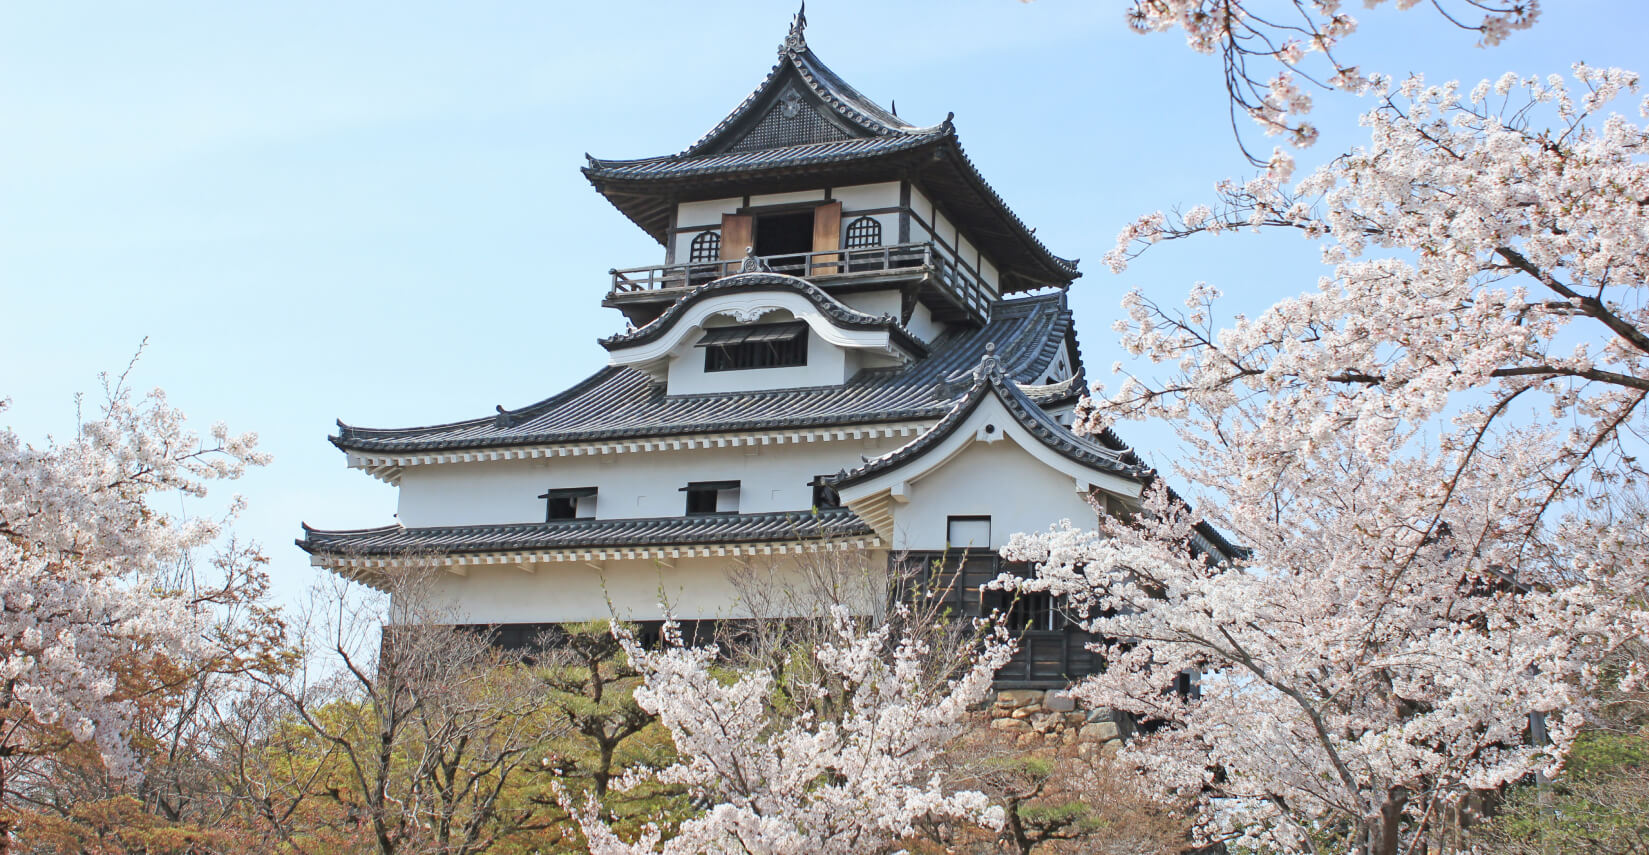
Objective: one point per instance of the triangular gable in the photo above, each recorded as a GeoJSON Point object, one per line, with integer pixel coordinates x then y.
{"type": "Point", "coordinates": [801, 102]}
{"type": "Point", "coordinates": [789, 115]}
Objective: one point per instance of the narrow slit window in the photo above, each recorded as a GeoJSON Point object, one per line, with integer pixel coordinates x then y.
{"type": "Point", "coordinates": [1032, 610]}
{"type": "Point", "coordinates": [759, 346]}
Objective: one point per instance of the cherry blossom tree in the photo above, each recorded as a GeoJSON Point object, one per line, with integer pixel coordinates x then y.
{"type": "Point", "coordinates": [89, 609]}
{"type": "Point", "coordinates": [848, 766]}
{"type": "Point", "coordinates": [1274, 54]}
{"type": "Point", "coordinates": [1433, 459]}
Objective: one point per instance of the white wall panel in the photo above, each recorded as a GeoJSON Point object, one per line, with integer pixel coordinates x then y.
{"type": "Point", "coordinates": [631, 485]}
{"type": "Point", "coordinates": [705, 213]}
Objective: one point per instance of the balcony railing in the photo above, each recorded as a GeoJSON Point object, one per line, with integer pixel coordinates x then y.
{"type": "Point", "coordinates": [961, 282]}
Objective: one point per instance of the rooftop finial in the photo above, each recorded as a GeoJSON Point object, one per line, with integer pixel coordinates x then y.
{"type": "Point", "coordinates": [987, 363]}
{"type": "Point", "coordinates": [794, 40]}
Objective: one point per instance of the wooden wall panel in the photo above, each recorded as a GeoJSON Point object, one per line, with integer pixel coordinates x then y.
{"type": "Point", "coordinates": [738, 233]}
{"type": "Point", "coordinates": [827, 235]}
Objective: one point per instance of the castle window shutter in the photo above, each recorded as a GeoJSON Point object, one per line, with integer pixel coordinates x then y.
{"type": "Point", "coordinates": [827, 236]}
{"type": "Point", "coordinates": [738, 233]}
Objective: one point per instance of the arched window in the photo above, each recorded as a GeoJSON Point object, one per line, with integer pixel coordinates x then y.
{"type": "Point", "coordinates": [862, 234]}
{"type": "Point", "coordinates": [705, 250]}
{"type": "Point", "coordinates": [705, 247]}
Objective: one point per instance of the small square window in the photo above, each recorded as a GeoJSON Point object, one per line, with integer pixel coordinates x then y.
{"type": "Point", "coordinates": [569, 503]}
{"type": "Point", "coordinates": [1031, 610]}
{"type": "Point", "coordinates": [972, 532]}
{"type": "Point", "coordinates": [712, 497]}
{"type": "Point", "coordinates": [824, 495]}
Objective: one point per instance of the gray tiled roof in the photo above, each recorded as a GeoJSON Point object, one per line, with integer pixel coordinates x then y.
{"type": "Point", "coordinates": [988, 378]}
{"type": "Point", "coordinates": [580, 534]}
{"type": "Point", "coordinates": [813, 154]}
{"type": "Point", "coordinates": [845, 102]}
{"type": "Point", "coordinates": [1027, 332]}
{"type": "Point", "coordinates": [841, 315]}
{"type": "Point", "coordinates": [866, 143]}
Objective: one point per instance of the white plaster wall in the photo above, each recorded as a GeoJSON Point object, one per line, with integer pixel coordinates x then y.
{"type": "Point", "coordinates": [997, 479]}
{"type": "Point", "coordinates": [874, 302]}
{"type": "Point", "coordinates": [860, 197]}
{"type": "Point", "coordinates": [968, 252]}
{"type": "Point", "coordinates": [696, 588]}
{"type": "Point", "coordinates": [921, 204]}
{"type": "Point", "coordinates": [787, 198]}
{"type": "Point", "coordinates": [945, 228]}
{"type": "Point", "coordinates": [632, 485]}
{"type": "Point", "coordinates": [922, 325]}
{"type": "Point", "coordinates": [827, 365]}
{"type": "Point", "coordinates": [987, 272]}
{"type": "Point", "coordinates": [707, 212]}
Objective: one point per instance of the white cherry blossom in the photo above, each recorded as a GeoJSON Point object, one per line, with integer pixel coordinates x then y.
{"type": "Point", "coordinates": [84, 551]}
{"type": "Point", "coordinates": [847, 767]}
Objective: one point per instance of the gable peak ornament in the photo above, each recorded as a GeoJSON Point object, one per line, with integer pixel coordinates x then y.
{"type": "Point", "coordinates": [794, 40]}
{"type": "Point", "coordinates": [790, 104]}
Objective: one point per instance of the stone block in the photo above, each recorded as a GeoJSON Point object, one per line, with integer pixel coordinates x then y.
{"type": "Point", "coordinates": [1059, 700]}
{"type": "Point", "coordinates": [1019, 697]}
{"type": "Point", "coordinates": [1012, 725]}
{"type": "Point", "coordinates": [1100, 731]}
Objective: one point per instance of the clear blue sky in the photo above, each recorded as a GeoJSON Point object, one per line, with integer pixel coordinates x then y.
{"type": "Point", "coordinates": [373, 211]}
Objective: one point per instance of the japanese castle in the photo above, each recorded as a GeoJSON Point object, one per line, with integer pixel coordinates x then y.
{"type": "Point", "coordinates": [852, 343]}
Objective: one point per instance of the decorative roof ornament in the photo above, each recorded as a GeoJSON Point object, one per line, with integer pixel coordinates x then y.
{"type": "Point", "coordinates": [790, 104]}
{"type": "Point", "coordinates": [753, 263]}
{"type": "Point", "coordinates": [794, 40]}
{"type": "Point", "coordinates": [987, 363]}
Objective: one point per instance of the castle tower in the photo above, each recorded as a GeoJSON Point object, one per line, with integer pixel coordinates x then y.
{"type": "Point", "coordinates": [851, 343]}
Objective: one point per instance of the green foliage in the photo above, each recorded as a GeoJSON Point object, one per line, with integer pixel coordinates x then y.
{"type": "Point", "coordinates": [1599, 805]}
{"type": "Point", "coordinates": [587, 677]}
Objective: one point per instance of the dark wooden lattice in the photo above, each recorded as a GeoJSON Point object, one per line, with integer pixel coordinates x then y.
{"type": "Point", "coordinates": [705, 247]}
{"type": "Point", "coordinates": [787, 124]}
{"type": "Point", "coordinates": [864, 232]}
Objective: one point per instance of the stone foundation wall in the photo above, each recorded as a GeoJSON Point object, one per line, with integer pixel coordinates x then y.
{"type": "Point", "coordinates": [1047, 718]}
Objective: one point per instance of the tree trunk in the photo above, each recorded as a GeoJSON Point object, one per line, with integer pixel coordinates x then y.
{"type": "Point", "coordinates": [1386, 835]}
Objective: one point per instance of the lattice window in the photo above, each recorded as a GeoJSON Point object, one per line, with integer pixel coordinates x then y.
{"type": "Point", "coordinates": [864, 232]}
{"type": "Point", "coordinates": [761, 346]}
{"type": "Point", "coordinates": [705, 247]}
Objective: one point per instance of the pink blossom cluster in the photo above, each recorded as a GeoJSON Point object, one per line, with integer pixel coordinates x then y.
{"type": "Point", "coordinates": [1249, 36]}
{"type": "Point", "coordinates": [1432, 461]}
{"type": "Point", "coordinates": [83, 560]}
{"type": "Point", "coordinates": [851, 772]}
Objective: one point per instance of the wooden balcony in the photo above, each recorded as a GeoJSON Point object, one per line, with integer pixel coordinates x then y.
{"type": "Point", "coordinates": [833, 269]}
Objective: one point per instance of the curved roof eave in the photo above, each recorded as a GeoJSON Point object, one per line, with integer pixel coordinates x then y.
{"type": "Point", "coordinates": [989, 379]}
{"type": "Point", "coordinates": [829, 307]}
